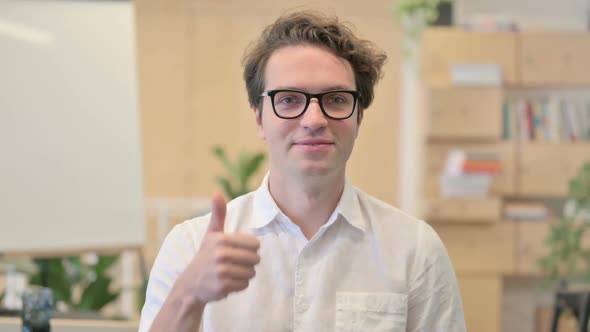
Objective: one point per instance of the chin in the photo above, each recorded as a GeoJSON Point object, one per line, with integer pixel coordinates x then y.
{"type": "Point", "coordinates": [314, 169]}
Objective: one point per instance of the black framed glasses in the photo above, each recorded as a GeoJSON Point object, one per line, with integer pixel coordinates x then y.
{"type": "Point", "coordinates": [335, 104]}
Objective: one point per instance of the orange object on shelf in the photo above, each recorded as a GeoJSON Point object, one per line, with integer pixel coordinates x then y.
{"type": "Point", "coordinates": [472, 166]}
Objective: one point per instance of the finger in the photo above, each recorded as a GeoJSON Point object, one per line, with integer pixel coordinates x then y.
{"type": "Point", "coordinates": [236, 272]}
{"type": "Point", "coordinates": [217, 222]}
{"type": "Point", "coordinates": [241, 241]}
{"type": "Point", "coordinates": [237, 256]}
{"type": "Point", "coordinates": [235, 285]}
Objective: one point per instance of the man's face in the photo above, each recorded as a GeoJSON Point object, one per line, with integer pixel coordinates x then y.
{"type": "Point", "coordinates": [311, 144]}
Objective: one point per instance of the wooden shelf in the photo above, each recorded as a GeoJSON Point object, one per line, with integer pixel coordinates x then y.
{"type": "Point", "coordinates": [464, 211]}
{"type": "Point", "coordinates": [483, 248]}
{"type": "Point", "coordinates": [436, 154]}
{"type": "Point", "coordinates": [544, 169]}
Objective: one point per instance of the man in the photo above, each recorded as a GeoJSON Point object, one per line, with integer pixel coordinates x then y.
{"type": "Point", "coordinates": [307, 251]}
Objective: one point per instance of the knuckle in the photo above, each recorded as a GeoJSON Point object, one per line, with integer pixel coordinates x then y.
{"type": "Point", "coordinates": [220, 271]}
{"type": "Point", "coordinates": [219, 255]}
{"type": "Point", "coordinates": [217, 239]}
{"type": "Point", "coordinates": [214, 237]}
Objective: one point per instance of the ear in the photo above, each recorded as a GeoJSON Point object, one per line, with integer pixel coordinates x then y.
{"type": "Point", "coordinates": [258, 115]}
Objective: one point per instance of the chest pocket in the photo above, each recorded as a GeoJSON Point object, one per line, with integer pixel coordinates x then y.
{"type": "Point", "coordinates": [375, 312]}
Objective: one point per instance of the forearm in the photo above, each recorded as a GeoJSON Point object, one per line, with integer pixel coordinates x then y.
{"type": "Point", "coordinates": [178, 313]}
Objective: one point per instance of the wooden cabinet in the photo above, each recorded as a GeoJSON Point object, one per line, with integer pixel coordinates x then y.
{"type": "Point", "coordinates": [544, 169]}
{"type": "Point", "coordinates": [444, 47]}
{"type": "Point", "coordinates": [436, 154]}
{"type": "Point", "coordinates": [481, 246]}
{"type": "Point", "coordinates": [530, 237]}
{"type": "Point", "coordinates": [465, 113]}
{"type": "Point", "coordinates": [541, 58]}
{"type": "Point", "coordinates": [530, 245]}
{"type": "Point", "coordinates": [486, 210]}
{"type": "Point", "coordinates": [485, 248]}
{"type": "Point", "coordinates": [482, 302]}
{"type": "Point", "coordinates": [554, 58]}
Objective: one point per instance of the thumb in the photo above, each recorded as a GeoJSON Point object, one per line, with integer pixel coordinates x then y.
{"type": "Point", "coordinates": [217, 213]}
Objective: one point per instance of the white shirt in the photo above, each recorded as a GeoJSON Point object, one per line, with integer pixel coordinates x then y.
{"type": "Point", "coordinates": [369, 268]}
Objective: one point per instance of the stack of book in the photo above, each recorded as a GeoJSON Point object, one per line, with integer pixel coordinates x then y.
{"type": "Point", "coordinates": [468, 174]}
{"type": "Point", "coordinates": [529, 211]}
{"type": "Point", "coordinates": [547, 119]}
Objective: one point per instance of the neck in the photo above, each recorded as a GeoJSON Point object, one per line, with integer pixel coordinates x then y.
{"type": "Point", "coordinates": [308, 202]}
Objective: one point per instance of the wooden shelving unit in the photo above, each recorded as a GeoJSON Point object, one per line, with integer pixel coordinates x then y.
{"type": "Point", "coordinates": [485, 248]}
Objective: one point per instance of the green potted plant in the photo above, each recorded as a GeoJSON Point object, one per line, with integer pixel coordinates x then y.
{"type": "Point", "coordinates": [414, 15]}
{"type": "Point", "coordinates": [239, 172]}
{"type": "Point", "coordinates": [568, 259]}
{"type": "Point", "coordinates": [78, 285]}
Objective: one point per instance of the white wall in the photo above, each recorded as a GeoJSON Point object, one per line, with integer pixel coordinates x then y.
{"type": "Point", "coordinates": [70, 164]}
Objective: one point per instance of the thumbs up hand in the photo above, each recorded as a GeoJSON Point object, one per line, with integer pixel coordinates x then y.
{"type": "Point", "coordinates": [224, 263]}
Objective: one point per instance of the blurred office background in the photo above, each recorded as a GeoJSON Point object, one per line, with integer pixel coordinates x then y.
{"type": "Point", "coordinates": [110, 111]}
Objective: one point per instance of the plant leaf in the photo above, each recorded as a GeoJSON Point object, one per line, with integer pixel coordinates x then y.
{"type": "Point", "coordinates": [219, 152]}
{"type": "Point", "coordinates": [56, 278]}
{"type": "Point", "coordinates": [104, 262]}
{"type": "Point", "coordinates": [96, 295]}
{"type": "Point", "coordinates": [254, 164]}
{"type": "Point", "coordinates": [141, 293]}
{"type": "Point", "coordinates": [227, 187]}
{"type": "Point", "coordinates": [243, 161]}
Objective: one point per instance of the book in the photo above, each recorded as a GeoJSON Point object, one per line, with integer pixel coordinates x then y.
{"type": "Point", "coordinates": [464, 185]}
{"type": "Point", "coordinates": [474, 166]}
{"type": "Point", "coordinates": [553, 119]}
{"type": "Point", "coordinates": [525, 211]}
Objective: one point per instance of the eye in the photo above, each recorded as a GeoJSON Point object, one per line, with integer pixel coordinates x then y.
{"type": "Point", "coordinates": [336, 98]}
{"type": "Point", "coordinates": [289, 98]}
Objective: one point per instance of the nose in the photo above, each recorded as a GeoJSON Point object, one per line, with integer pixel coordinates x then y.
{"type": "Point", "coordinates": [313, 118]}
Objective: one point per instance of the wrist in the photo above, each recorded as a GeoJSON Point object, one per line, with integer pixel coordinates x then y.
{"type": "Point", "coordinates": [186, 299]}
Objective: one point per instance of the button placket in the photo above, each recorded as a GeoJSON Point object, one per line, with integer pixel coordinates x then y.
{"type": "Point", "coordinates": [301, 303]}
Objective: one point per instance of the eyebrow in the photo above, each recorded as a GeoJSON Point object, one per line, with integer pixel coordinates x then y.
{"type": "Point", "coordinates": [331, 88]}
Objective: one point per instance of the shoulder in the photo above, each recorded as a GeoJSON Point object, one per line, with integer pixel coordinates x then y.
{"type": "Point", "coordinates": [397, 226]}
{"type": "Point", "coordinates": [382, 214]}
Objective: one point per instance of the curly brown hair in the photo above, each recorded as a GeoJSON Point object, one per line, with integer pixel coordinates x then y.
{"type": "Point", "coordinates": [313, 28]}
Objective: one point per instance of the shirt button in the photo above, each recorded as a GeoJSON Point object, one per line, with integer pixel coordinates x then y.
{"type": "Point", "coordinates": [302, 305]}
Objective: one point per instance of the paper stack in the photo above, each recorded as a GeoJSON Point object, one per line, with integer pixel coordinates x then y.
{"type": "Point", "coordinates": [468, 175]}
{"type": "Point", "coordinates": [529, 211]}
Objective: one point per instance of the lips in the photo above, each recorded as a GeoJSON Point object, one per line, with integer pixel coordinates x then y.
{"type": "Point", "coordinates": [314, 142]}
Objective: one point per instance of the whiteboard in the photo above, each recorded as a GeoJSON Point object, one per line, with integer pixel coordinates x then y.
{"type": "Point", "coordinates": [70, 163]}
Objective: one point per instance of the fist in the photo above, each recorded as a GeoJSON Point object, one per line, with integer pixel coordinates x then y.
{"type": "Point", "coordinates": [225, 261]}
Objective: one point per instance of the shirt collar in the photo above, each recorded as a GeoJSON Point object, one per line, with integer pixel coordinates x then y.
{"type": "Point", "coordinates": [349, 207]}
{"type": "Point", "coordinates": [266, 210]}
